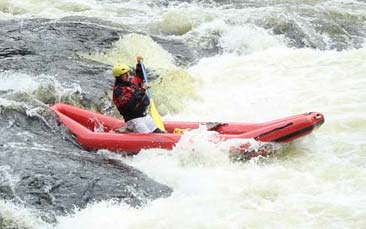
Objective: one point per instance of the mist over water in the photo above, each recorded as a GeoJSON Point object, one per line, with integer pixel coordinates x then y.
{"type": "Point", "coordinates": [252, 61]}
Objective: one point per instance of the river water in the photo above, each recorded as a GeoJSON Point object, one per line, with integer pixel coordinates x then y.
{"type": "Point", "coordinates": [261, 60]}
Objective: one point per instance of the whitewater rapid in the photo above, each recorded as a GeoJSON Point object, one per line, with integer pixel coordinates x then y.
{"type": "Point", "coordinates": [316, 182]}
{"type": "Point", "coordinates": [255, 75]}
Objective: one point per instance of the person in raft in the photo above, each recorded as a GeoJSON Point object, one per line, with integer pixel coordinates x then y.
{"type": "Point", "coordinates": [131, 100]}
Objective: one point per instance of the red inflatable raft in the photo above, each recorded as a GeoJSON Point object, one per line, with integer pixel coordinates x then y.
{"type": "Point", "coordinates": [96, 131]}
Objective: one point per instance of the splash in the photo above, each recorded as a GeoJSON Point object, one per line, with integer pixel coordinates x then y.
{"type": "Point", "coordinates": [39, 90]}
{"type": "Point", "coordinates": [247, 75]}
{"type": "Point", "coordinates": [180, 20]}
{"type": "Point", "coordinates": [15, 216]}
{"type": "Point", "coordinates": [7, 7]}
{"type": "Point", "coordinates": [248, 39]}
{"type": "Point", "coordinates": [50, 8]}
{"type": "Point", "coordinates": [174, 84]}
{"type": "Point", "coordinates": [174, 23]}
{"type": "Point", "coordinates": [131, 45]}
{"type": "Point", "coordinates": [72, 6]}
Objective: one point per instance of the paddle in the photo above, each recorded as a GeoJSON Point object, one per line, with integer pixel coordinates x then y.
{"type": "Point", "coordinates": [152, 108]}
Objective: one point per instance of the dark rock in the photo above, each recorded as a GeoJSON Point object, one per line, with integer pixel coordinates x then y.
{"type": "Point", "coordinates": [53, 47]}
{"type": "Point", "coordinates": [53, 176]}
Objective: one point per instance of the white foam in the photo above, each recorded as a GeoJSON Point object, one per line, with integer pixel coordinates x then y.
{"type": "Point", "coordinates": [319, 182]}
{"type": "Point", "coordinates": [16, 216]}
{"type": "Point", "coordinates": [248, 39]}
{"type": "Point", "coordinates": [17, 82]}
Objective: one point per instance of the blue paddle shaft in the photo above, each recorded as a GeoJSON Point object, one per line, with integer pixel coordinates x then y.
{"type": "Point", "coordinates": [145, 77]}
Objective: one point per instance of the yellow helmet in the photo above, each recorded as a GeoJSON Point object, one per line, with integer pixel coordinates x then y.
{"type": "Point", "coordinates": [119, 69]}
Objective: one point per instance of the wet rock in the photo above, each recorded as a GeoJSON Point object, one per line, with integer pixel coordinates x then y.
{"type": "Point", "coordinates": [53, 47]}
{"type": "Point", "coordinates": [50, 173]}
{"type": "Point", "coordinates": [41, 165]}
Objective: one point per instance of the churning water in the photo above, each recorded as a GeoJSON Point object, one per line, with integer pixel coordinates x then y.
{"type": "Point", "coordinates": [253, 61]}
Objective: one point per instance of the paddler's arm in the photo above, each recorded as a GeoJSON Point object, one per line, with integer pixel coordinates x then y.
{"type": "Point", "coordinates": [138, 79]}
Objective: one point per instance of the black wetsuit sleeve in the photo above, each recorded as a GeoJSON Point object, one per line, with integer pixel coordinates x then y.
{"type": "Point", "coordinates": [139, 72]}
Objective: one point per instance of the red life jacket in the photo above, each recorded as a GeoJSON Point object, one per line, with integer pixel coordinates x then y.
{"type": "Point", "coordinates": [130, 98]}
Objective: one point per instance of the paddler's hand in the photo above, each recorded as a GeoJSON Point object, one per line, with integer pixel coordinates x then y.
{"type": "Point", "coordinates": [139, 58]}
{"type": "Point", "coordinates": [146, 86]}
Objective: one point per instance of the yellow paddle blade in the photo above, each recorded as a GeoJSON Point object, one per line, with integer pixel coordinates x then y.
{"type": "Point", "coordinates": [155, 115]}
